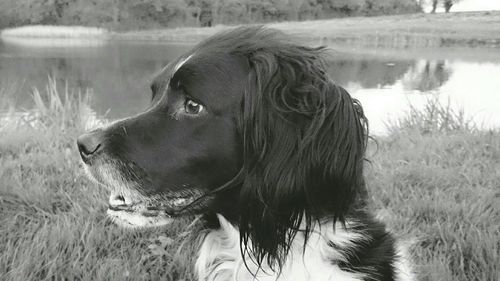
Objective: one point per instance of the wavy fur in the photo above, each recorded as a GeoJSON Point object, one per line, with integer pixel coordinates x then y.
{"type": "Point", "coordinates": [304, 140]}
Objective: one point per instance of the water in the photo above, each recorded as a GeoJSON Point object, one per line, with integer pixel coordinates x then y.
{"type": "Point", "coordinates": [385, 81]}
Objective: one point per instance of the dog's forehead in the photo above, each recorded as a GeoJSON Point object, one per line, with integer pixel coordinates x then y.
{"type": "Point", "coordinates": [165, 73]}
{"type": "Point", "coordinates": [181, 62]}
{"type": "Point", "coordinates": [209, 76]}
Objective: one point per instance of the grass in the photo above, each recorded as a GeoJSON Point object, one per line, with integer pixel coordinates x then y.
{"type": "Point", "coordinates": [435, 180]}
{"type": "Point", "coordinates": [401, 31]}
{"type": "Point", "coordinates": [435, 187]}
{"type": "Point", "coordinates": [434, 117]}
{"type": "Point", "coordinates": [53, 219]}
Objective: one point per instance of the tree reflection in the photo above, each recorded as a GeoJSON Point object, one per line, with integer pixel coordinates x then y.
{"type": "Point", "coordinates": [420, 75]}
{"type": "Point", "coordinates": [368, 73]}
{"type": "Point", "coordinates": [427, 75]}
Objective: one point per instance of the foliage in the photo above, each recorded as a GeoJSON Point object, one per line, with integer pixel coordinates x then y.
{"type": "Point", "coordinates": [433, 118]}
{"type": "Point", "coordinates": [447, 4]}
{"type": "Point", "coordinates": [133, 14]}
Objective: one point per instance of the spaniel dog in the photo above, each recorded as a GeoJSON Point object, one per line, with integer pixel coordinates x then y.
{"type": "Point", "coordinates": [248, 130]}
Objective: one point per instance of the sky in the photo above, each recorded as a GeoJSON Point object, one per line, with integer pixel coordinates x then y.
{"type": "Point", "coordinates": [473, 5]}
{"type": "Point", "coordinates": [477, 5]}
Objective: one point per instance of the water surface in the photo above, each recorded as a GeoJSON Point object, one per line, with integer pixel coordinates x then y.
{"type": "Point", "coordinates": [385, 81]}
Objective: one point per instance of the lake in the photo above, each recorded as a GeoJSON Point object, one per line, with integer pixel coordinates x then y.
{"type": "Point", "coordinates": [385, 81]}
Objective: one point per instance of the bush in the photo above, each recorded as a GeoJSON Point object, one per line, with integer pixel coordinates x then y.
{"type": "Point", "coordinates": [433, 118]}
{"type": "Point", "coordinates": [130, 14]}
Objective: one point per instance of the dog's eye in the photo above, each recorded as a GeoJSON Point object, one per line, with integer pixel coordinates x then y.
{"type": "Point", "coordinates": [191, 107]}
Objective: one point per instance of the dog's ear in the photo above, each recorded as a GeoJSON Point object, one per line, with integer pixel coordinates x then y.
{"type": "Point", "coordinates": [304, 140]}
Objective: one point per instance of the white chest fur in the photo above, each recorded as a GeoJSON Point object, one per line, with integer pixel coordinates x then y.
{"type": "Point", "coordinates": [220, 257]}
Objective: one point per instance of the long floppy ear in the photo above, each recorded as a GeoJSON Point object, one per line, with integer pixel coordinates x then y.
{"type": "Point", "coordinates": [304, 141]}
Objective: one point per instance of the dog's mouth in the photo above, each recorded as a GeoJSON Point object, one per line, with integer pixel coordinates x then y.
{"type": "Point", "coordinates": [134, 212]}
{"type": "Point", "coordinates": [172, 207]}
{"type": "Point", "coordinates": [129, 208]}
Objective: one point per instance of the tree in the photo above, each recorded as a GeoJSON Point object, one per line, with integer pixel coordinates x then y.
{"type": "Point", "coordinates": [136, 14]}
{"type": "Point", "coordinates": [434, 6]}
{"type": "Point", "coordinates": [447, 4]}
{"type": "Point", "coordinates": [346, 7]}
{"type": "Point", "coordinates": [390, 7]}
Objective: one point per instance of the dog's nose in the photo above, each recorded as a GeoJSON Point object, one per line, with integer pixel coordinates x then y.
{"type": "Point", "coordinates": [89, 144]}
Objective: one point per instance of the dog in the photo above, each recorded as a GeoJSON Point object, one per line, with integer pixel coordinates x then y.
{"type": "Point", "coordinates": [248, 130]}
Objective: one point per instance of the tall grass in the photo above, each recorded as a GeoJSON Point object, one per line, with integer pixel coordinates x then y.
{"type": "Point", "coordinates": [435, 179]}
{"type": "Point", "coordinates": [53, 224]}
{"type": "Point", "coordinates": [434, 117]}
{"type": "Point", "coordinates": [70, 110]}
{"type": "Point", "coordinates": [434, 182]}
{"type": "Point", "coordinates": [54, 114]}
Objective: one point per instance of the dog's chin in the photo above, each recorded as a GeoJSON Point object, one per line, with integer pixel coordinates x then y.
{"type": "Point", "coordinates": [137, 220]}
{"type": "Point", "coordinates": [129, 208]}
{"type": "Point", "coordinates": [129, 212]}
{"type": "Point", "coordinates": [133, 213]}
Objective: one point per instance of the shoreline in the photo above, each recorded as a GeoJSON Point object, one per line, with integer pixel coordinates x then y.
{"type": "Point", "coordinates": [466, 29]}
{"type": "Point", "coordinates": [54, 31]}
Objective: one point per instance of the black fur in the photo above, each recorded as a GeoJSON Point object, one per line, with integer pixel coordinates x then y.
{"type": "Point", "coordinates": [375, 255]}
{"type": "Point", "coordinates": [279, 148]}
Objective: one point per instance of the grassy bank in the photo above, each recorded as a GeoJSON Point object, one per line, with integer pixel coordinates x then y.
{"type": "Point", "coordinates": [402, 31]}
{"type": "Point", "coordinates": [51, 31]}
{"type": "Point", "coordinates": [435, 186]}
{"type": "Point", "coordinates": [472, 29]}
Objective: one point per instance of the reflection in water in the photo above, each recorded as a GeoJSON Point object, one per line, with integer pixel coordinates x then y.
{"type": "Point", "coordinates": [425, 76]}
{"type": "Point", "coordinates": [476, 88]}
{"type": "Point", "coordinates": [473, 87]}
{"type": "Point", "coordinates": [119, 74]}
{"type": "Point", "coordinates": [368, 73]}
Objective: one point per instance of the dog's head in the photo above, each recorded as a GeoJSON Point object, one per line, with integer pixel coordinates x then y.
{"type": "Point", "coordinates": [247, 124]}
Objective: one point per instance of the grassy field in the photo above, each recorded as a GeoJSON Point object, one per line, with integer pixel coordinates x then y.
{"type": "Point", "coordinates": [434, 179]}
{"type": "Point", "coordinates": [401, 31]}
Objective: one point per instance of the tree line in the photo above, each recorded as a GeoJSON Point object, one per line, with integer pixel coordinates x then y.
{"type": "Point", "coordinates": [447, 4]}
{"type": "Point", "coordinates": [137, 14]}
